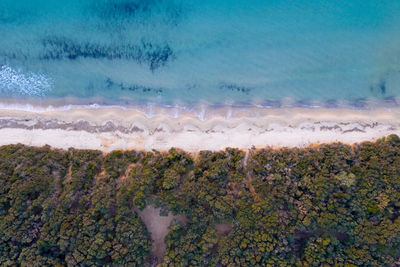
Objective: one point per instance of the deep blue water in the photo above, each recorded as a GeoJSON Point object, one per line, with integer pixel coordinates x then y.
{"type": "Point", "coordinates": [188, 51]}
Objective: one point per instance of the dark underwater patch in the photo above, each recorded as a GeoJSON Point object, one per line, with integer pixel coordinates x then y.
{"type": "Point", "coordinates": [379, 87]}
{"type": "Point", "coordinates": [382, 87]}
{"type": "Point", "coordinates": [120, 10]}
{"type": "Point", "coordinates": [110, 84]}
{"type": "Point", "coordinates": [234, 88]}
{"type": "Point", "coordinates": [128, 8]}
{"type": "Point", "coordinates": [140, 11]}
{"type": "Point", "coordinates": [154, 55]}
{"type": "Point", "coordinates": [6, 20]}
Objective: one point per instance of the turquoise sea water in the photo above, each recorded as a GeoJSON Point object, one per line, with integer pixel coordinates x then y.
{"type": "Point", "coordinates": [189, 51]}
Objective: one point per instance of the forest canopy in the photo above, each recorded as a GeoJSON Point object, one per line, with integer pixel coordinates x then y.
{"type": "Point", "coordinates": [326, 205]}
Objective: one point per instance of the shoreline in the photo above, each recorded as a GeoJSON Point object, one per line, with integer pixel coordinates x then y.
{"type": "Point", "coordinates": [111, 128]}
{"type": "Point", "coordinates": [34, 104]}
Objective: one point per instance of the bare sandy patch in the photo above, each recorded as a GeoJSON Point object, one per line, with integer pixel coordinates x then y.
{"type": "Point", "coordinates": [158, 227]}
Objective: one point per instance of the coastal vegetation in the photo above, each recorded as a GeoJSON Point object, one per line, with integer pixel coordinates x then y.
{"type": "Point", "coordinates": [326, 205]}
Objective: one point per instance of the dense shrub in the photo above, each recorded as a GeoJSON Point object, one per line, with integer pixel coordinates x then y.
{"type": "Point", "coordinates": [327, 205]}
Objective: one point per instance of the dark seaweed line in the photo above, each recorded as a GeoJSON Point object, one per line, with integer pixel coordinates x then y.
{"type": "Point", "coordinates": [111, 84]}
{"type": "Point", "coordinates": [154, 55]}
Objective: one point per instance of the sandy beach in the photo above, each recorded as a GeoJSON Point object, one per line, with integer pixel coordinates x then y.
{"type": "Point", "coordinates": [108, 129]}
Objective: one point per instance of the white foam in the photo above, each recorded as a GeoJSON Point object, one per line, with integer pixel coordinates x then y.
{"type": "Point", "coordinates": [229, 114]}
{"type": "Point", "coordinates": [202, 115]}
{"type": "Point", "coordinates": [29, 83]}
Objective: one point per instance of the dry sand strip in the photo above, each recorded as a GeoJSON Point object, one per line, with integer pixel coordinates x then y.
{"type": "Point", "coordinates": [110, 129]}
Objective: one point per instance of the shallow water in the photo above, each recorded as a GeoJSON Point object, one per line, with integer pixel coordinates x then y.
{"type": "Point", "coordinates": [185, 52]}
